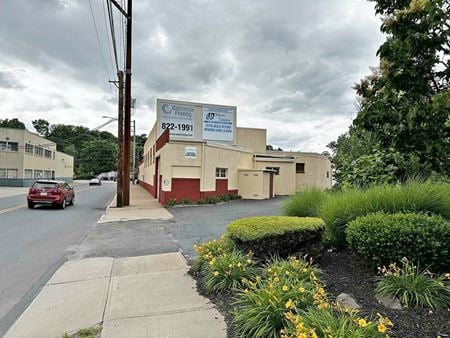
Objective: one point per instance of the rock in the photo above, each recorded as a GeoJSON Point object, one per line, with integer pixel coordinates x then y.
{"type": "Point", "coordinates": [346, 300]}
{"type": "Point", "coordinates": [390, 303]}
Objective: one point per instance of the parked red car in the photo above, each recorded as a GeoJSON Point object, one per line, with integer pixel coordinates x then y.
{"type": "Point", "coordinates": [56, 193]}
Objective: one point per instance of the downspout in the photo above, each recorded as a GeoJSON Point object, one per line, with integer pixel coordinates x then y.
{"type": "Point", "coordinates": [203, 168]}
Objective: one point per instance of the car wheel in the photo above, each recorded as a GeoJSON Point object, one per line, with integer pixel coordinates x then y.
{"type": "Point", "coordinates": [30, 205]}
{"type": "Point", "coordinates": [63, 204]}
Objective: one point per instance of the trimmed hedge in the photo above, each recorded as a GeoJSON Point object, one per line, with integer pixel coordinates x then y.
{"type": "Point", "coordinates": [305, 204]}
{"type": "Point", "coordinates": [385, 238]}
{"type": "Point", "coordinates": [413, 197]}
{"type": "Point", "coordinates": [277, 235]}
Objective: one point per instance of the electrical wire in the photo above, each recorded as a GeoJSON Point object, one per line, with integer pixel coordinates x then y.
{"type": "Point", "coordinates": [113, 33]}
{"type": "Point", "coordinates": [106, 30]}
{"type": "Point", "coordinates": [100, 47]}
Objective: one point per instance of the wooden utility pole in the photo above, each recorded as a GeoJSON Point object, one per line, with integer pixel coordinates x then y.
{"type": "Point", "coordinates": [127, 124]}
{"type": "Point", "coordinates": [120, 158]}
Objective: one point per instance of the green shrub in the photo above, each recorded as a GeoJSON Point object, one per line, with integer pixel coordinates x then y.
{"type": "Point", "coordinates": [260, 309]}
{"type": "Point", "coordinates": [227, 271]}
{"type": "Point", "coordinates": [340, 208]}
{"type": "Point", "coordinates": [305, 204]}
{"type": "Point", "coordinates": [384, 238]}
{"type": "Point", "coordinates": [414, 287]}
{"type": "Point", "coordinates": [210, 250]}
{"type": "Point", "coordinates": [276, 235]}
{"type": "Point", "coordinates": [334, 322]}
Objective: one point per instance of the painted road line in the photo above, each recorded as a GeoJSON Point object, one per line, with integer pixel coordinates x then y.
{"type": "Point", "coordinates": [4, 211]}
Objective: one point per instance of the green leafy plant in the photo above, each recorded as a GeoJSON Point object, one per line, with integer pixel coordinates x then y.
{"type": "Point", "coordinates": [260, 309]}
{"type": "Point", "coordinates": [277, 235]}
{"type": "Point", "coordinates": [210, 250]}
{"type": "Point", "coordinates": [341, 208]}
{"type": "Point", "coordinates": [414, 287]}
{"type": "Point", "coordinates": [305, 204]}
{"type": "Point", "coordinates": [383, 238]}
{"type": "Point", "coordinates": [227, 271]}
{"type": "Point", "coordinates": [334, 322]}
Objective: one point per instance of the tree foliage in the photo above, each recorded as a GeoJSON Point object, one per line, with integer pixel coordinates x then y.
{"type": "Point", "coordinates": [41, 126]}
{"type": "Point", "coordinates": [11, 123]}
{"type": "Point", "coordinates": [402, 127]}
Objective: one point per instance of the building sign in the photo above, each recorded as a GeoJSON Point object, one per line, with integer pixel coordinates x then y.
{"type": "Point", "coordinates": [190, 152]}
{"type": "Point", "coordinates": [218, 123]}
{"type": "Point", "coordinates": [179, 118]}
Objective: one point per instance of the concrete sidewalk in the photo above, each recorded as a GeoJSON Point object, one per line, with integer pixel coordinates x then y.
{"type": "Point", "coordinates": [142, 206]}
{"type": "Point", "coordinates": [146, 296]}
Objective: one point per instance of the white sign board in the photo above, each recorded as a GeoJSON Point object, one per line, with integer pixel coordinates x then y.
{"type": "Point", "coordinates": [218, 123]}
{"type": "Point", "coordinates": [179, 118]}
{"type": "Point", "coordinates": [190, 152]}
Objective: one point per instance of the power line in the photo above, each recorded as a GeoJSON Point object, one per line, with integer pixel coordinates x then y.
{"type": "Point", "coordinates": [106, 30]}
{"type": "Point", "coordinates": [100, 46]}
{"type": "Point", "coordinates": [113, 34]}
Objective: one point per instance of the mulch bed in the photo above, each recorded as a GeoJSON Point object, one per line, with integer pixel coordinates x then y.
{"type": "Point", "coordinates": [345, 272]}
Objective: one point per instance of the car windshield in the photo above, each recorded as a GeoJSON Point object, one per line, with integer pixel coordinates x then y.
{"type": "Point", "coordinates": [45, 185]}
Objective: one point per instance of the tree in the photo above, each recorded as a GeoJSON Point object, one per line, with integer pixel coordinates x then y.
{"type": "Point", "coordinates": [12, 123]}
{"type": "Point", "coordinates": [42, 127]}
{"type": "Point", "coordinates": [97, 156]}
{"type": "Point", "coordinates": [404, 104]}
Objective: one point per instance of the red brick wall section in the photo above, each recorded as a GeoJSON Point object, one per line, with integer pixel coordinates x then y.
{"type": "Point", "coordinates": [150, 188]}
{"type": "Point", "coordinates": [190, 188]}
{"type": "Point", "coordinates": [163, 139]}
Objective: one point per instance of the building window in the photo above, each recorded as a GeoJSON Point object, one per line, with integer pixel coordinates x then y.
{"type": "Point", "coordinates": [276, 169]}
{"type": "Point", "coordinates": [48, 153]}
{"type": "Point", "coordinates": [300, 168]}
{"type": "Point", "coordinates": [28, 173]}
{"type": "Point", "coordinates": [221, 172]}
{"type": "Point", "coordinates": [39, 151]}
{"type": "Point", "coordinates": [8, 173]}
{"type": "Point", "coordinates": [38, 174]}
{"type": "Point", "coordinates": [9, 146]}
{"type": "Point", "coordinates": [328, 174]}
{"type": "Point", "coordinates": [47, 174]}
{"type": "Point", "coordinates": [29, 148]}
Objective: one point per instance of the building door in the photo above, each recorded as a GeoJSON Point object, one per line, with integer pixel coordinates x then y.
{"type": "Point", "coordinates": [53, 174]}
{"type": "Point", "coordinates": [271, 186]}
{"type": "Point", "coordinates": [156, 180]}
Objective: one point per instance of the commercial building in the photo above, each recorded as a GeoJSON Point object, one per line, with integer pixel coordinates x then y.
{"type": "Point", "coordinates": [195, 150]}
{"type": "Point", "coordinates": [26, 157]}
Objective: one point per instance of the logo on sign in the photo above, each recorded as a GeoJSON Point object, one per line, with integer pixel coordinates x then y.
{"type": "Point", "coordinates": [210, 116]}
{"type": "Point", "coordinates": [166, 109]}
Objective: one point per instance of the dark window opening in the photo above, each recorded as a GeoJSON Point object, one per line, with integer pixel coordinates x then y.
{"type": "Point", "coordinates": [300, 168]}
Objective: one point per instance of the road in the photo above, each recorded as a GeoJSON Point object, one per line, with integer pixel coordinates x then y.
{"type": "Point", "coordinates": [34, 243]}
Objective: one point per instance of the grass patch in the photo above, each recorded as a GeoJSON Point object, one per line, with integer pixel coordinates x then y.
{"type": "Point", "coordinates": [415, 197]}
{"type": "Point", "coordinates": [306, 203]}
{"type": "Point", "coordinates": [90, 332]}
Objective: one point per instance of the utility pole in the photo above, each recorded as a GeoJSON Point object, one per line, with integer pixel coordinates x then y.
{"type": "Point", "coordinates": [134, 151]}
{"type": "Point", "coordinates": [120, 158]}
{"type": "Point", "coordinates": [127, 111]}
{"type": "Point", "coordinates": [127, 124]}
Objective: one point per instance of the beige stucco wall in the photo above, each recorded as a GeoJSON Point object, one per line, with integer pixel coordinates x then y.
{"type": "Point", "coordinates": [252, 138]}
{"type": "Point", "coordinates": [284, 183]}
{"type": "Point", "coordinates": [316, 168]}
{"type": "Point", "coordinates": [60, 163]}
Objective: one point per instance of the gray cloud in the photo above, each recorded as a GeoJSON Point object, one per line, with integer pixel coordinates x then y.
{"type": "Point", "coordinates": [288, 66]}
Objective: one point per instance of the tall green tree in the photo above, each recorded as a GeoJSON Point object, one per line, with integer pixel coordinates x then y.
{"type": "Point", "coordinates": [97, 156]}
{"type": "Point", "coordinates": [42, 127]}
{"type": "Point", "coordinates": [405, 103]}
{"type": "Point", "coordinates": [12, 123]}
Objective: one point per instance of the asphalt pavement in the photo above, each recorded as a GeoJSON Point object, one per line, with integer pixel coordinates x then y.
{"type": "Point", "coordinates": [34, 243]}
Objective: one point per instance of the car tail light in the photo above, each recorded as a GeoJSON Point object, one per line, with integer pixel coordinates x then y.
{"type": "Point", "coordinates": [32, 191]}
{"type": "Point", "coordinates": [55, 192]}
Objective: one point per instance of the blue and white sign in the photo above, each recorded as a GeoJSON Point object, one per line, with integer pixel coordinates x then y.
{"type": "Point", "coordinates": [218, 123]}
{"type": "Point", "coordinates": [179, 118]}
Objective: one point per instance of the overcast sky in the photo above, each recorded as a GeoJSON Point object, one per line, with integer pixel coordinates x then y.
{"type": "Point", "coordinates": [287, 65]}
